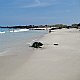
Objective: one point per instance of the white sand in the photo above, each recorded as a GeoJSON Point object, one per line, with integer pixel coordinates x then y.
{"type": "Point", "coordinates": [52, 62]}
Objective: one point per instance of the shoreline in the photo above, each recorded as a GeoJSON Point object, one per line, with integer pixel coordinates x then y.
{"type": "Point", "coordinates": [18, 40]}
{"type": "Point", "coordinates": [48, 63]}
{"type": "Point", "coordinates": [15, 57]}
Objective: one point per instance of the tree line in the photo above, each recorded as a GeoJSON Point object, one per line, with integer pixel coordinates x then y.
{"type": "Point", "coordinates": [45, 26]}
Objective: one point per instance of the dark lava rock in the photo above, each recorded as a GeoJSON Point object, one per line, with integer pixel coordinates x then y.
{"type": "Point", "coordinates": [37, 45]}
{"type": "Point", "coordinates": [56, 44]}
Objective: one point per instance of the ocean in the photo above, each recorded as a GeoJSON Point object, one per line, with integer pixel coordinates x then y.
{"type": "Point", "coordinates": [10, 38]}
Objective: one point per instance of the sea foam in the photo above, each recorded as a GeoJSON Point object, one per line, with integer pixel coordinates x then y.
{"type": "Point", "coordinates": [2, 32]}
{"type": "Point", "coordinates": [19, 30]}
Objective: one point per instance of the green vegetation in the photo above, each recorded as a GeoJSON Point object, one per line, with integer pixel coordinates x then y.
{"type": "Point", "coordinates": [58, 26]}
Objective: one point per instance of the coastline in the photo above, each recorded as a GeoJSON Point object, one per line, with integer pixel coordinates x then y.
{"type": "Point", "coordinates": [11, 40]}
{"type": "Point", "coordinates": [14, 57]}
{"type": "Point", "coordinates": [51, 62]}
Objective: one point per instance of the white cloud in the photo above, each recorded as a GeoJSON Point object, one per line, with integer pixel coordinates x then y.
{"type": "Point", "coordinates": [37, 3]}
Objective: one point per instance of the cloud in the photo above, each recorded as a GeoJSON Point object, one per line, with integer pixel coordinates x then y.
{"type": "Point", "coordinates": [37, 3]}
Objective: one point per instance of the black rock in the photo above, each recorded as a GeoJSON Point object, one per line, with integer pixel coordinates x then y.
{"type": "Point", "coordinates": [56, 44]}
{"type": "Point", "coordinates": [37, 45]}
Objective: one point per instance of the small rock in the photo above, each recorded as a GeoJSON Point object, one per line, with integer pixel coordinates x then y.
{"type": "Point", "coordinates": [56, 44]}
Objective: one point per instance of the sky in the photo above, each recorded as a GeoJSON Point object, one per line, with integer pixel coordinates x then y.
{"type": "Point", "coordinates": [39, 12]}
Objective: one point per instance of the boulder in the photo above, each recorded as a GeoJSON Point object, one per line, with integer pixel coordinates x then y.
{"type": "Point", "coordinates": [37, 45]}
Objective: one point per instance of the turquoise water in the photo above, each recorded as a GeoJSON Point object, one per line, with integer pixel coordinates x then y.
{"type": "Point", "coordinates": [9, 37]}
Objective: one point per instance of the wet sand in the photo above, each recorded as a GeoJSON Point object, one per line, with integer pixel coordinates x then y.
{"type": "Point", "coordinates": [51, 62]}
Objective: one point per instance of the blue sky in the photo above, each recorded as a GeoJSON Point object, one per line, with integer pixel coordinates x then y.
{"type": "Point", "coordinates": [37, 12]}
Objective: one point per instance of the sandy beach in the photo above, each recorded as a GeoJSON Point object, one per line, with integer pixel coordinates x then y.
{"type": "Point", "coordinates": [51, 62]}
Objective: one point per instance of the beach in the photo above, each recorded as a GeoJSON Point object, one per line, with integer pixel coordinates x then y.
{"type": "Point", "coordinates": [51, 62]}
